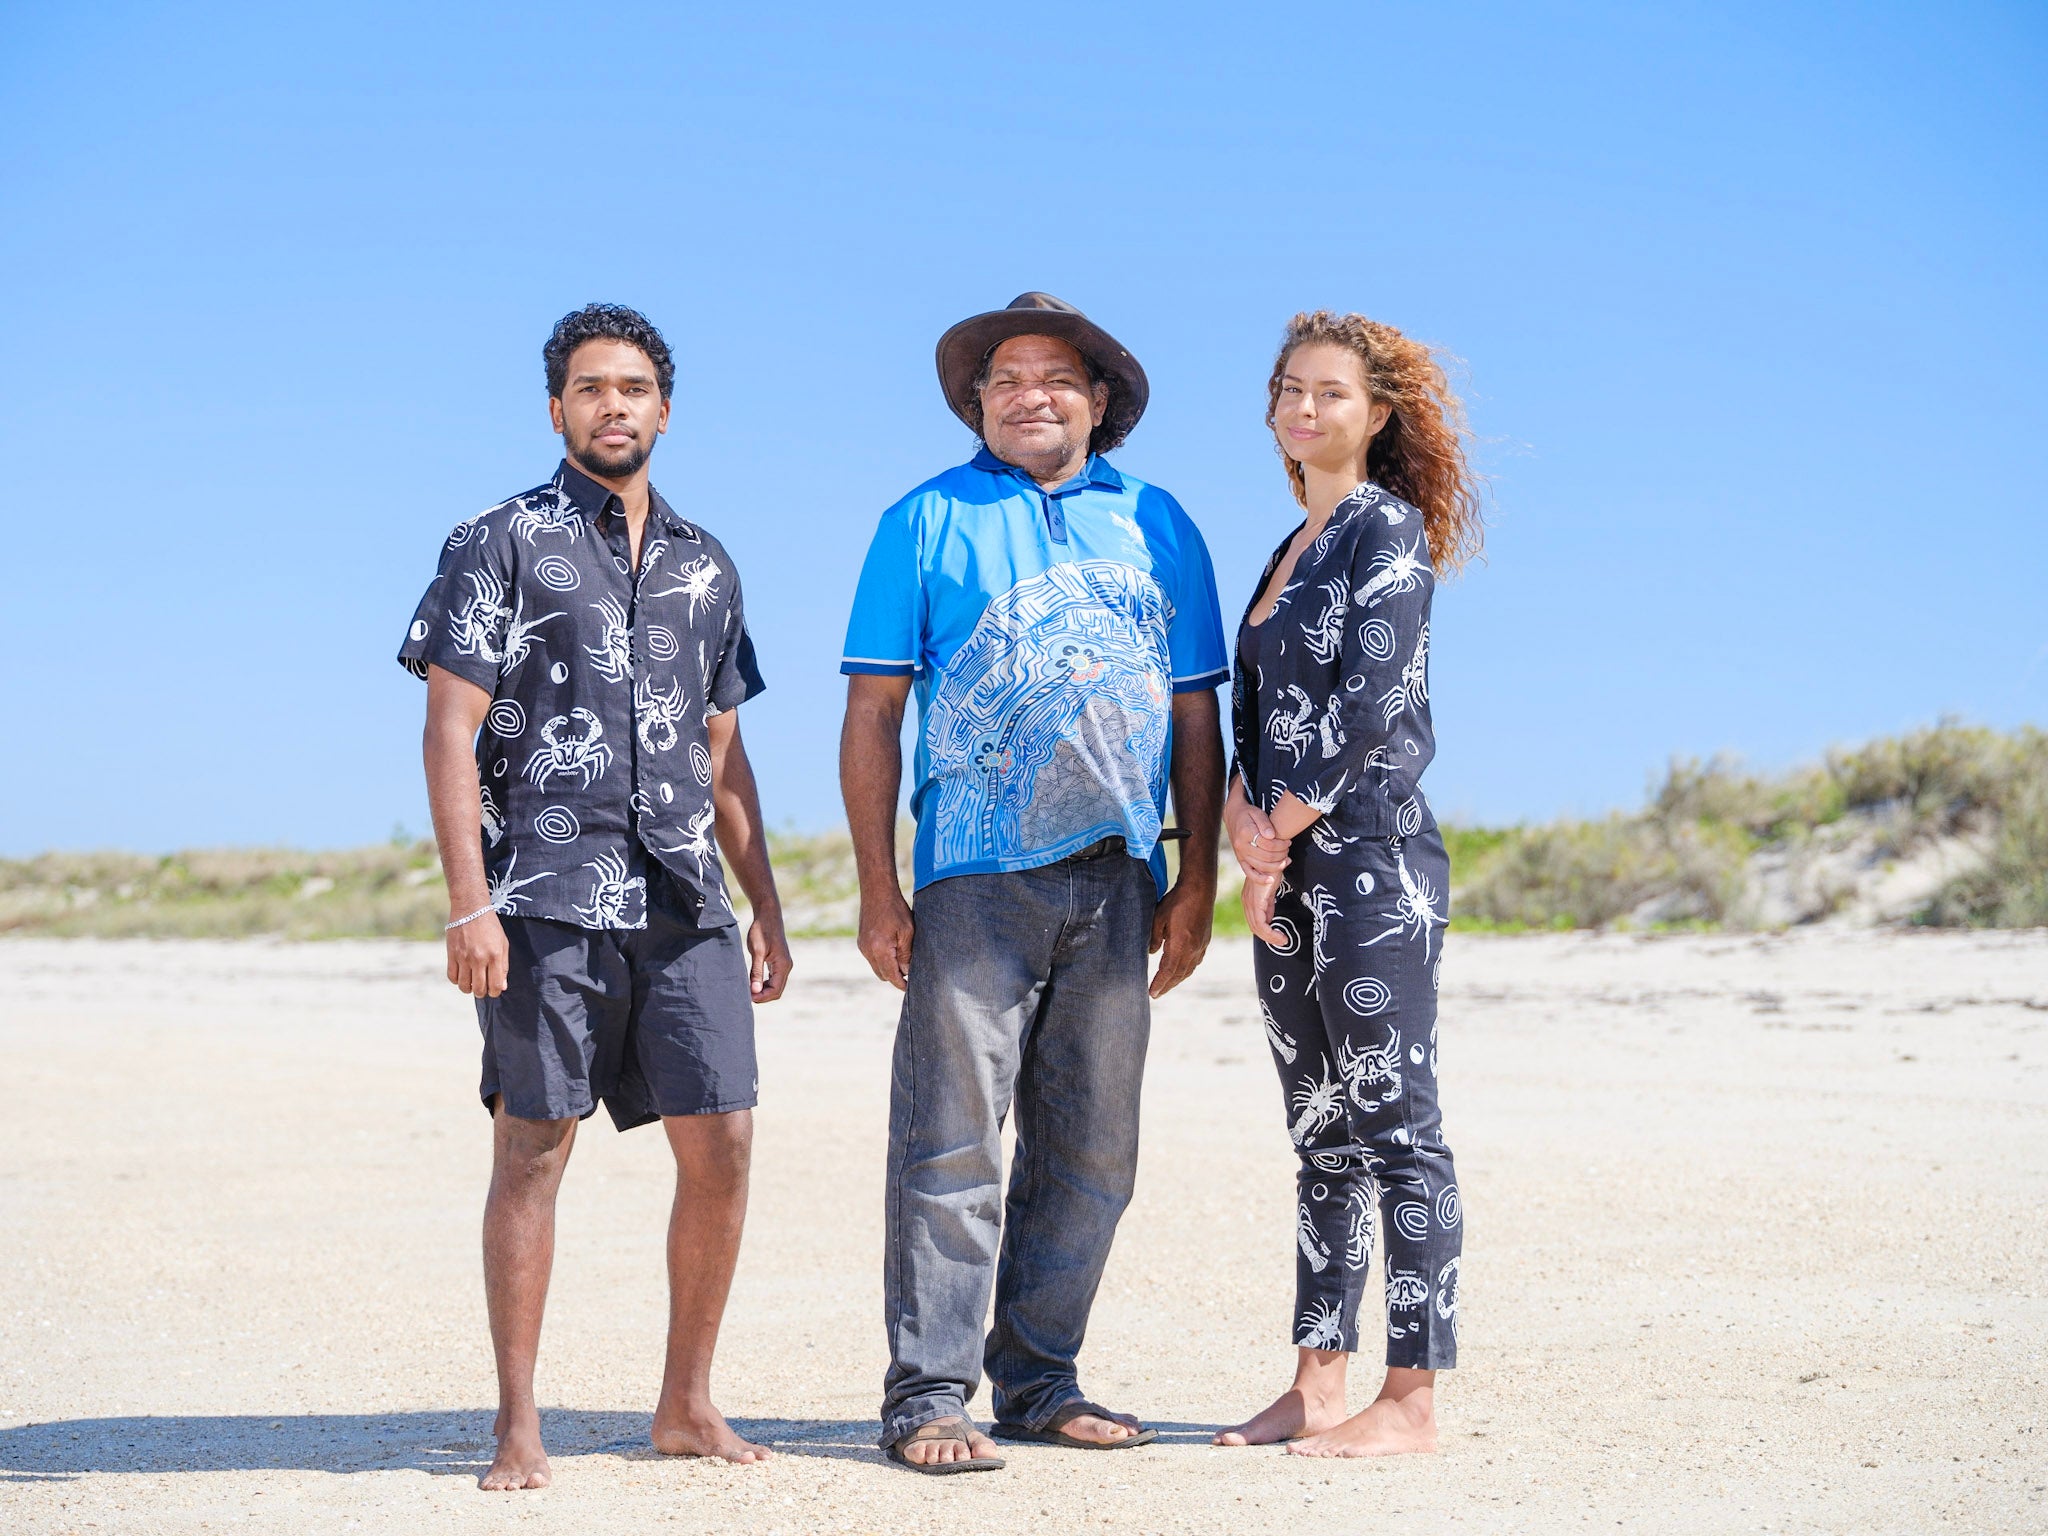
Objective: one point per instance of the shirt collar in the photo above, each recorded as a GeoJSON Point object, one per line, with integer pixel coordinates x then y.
{"type": "Point", "coordinates": [1097, 472]}
{"type": "Point", "coordinates": [594, 500]}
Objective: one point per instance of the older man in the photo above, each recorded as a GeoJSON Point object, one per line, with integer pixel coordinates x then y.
{"type": "Point", "coordinates": [1059, 620]}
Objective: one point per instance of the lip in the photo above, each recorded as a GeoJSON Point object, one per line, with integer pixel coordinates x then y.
{"type": "Point", "coordinates": [615, 435]}
{"type": "Point", "coordinates": [1301, 435]}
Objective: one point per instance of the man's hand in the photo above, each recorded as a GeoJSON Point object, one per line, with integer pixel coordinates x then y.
{"type": "Point", "coordinates": [885, 932]}
{"type": "Point", "coordinates": [1180, 935]}
{"type": "Point", "coordinates": [479, 956]}
{"type": "Point", "coordinates": [1258, 896]}
{"type": "Point", "coordinates": [771, 960]}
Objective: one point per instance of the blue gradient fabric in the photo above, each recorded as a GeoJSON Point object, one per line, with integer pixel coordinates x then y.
{"type": "Point", "coordinates": [1047, 632]}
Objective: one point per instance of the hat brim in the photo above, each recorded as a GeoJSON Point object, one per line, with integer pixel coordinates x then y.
{"type": "Point", "coordinates": [962, 348]}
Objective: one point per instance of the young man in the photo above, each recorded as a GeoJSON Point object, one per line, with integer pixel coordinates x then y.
{"type": "Point", "coordinates": [585, 651]}
{"type": "Point", "coordinates": [1059, 619]}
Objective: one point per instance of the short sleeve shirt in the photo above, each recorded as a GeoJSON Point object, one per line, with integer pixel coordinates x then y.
{"type": "Point", "coordinates": [594, 754]}
{"type": "Point", "coordinates": [1047, 632]}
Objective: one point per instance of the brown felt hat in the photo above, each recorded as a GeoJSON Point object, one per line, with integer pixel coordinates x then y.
{"type": "Point", "coordinates": [963, 347]}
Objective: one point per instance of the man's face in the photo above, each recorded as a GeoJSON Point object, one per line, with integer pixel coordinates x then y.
{"type": "Point", "coordinates": [1037, 407]}
{"type": "Point", "coordinates": [610, 410]}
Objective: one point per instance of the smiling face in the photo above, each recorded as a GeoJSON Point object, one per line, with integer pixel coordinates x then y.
{"type": "Point", "coordinates": [610, 410]}
{"type": "Point", "coordinates": [1037, 406]}
{"type": "Point", "coordinates": [1325, 417]}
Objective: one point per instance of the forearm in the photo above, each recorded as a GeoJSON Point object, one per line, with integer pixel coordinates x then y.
{"type": "Point", "coordinates": [457, 807]}
{"type": "Point", "coordinates": [870, 778]}
{"type": "Point", "coordinates": [1294, 816]}
{"type": "Point", "coordinates": [742, 839]}
{"type": "Point", "coordinates": [1198, 787]}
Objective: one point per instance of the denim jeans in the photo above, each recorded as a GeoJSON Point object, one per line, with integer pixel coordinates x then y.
{"type": "Point", "coordinates": [1025, 988]}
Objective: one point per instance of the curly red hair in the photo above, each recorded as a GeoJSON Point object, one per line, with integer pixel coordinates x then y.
{"type": "Point", "coordinates": [1419, 454]}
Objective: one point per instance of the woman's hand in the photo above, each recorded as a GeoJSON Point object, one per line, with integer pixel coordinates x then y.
{"type": "Point", "coordinates": [1258, 896]}
{"type": "Point", "coordinates": [1261, 852]}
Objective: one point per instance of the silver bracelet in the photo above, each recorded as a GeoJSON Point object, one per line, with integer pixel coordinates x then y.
{"type": "Point", "coordinates": [479, 912]}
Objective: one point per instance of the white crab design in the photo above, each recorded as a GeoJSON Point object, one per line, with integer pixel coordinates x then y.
{"type": "Point", "coordinates": [611, 892]}
{"type": "Point", "coordinates": [584, 754]}
{"type": "Point", "coordinates": [1283, 1043]}
{"type": "Point", "coordinates": [505, 895]}
{"type": "Point", "coordinates": [1316, 1105]}
{"type": "Point", "coordinates": [1289, 728]}
{"type": "Point", "coordinates": [696, 583]}
{"type": "Point", "coordinates": [1447, 1293]}
{"type": "Point", "coordinates": [1406, 1290]}
{"type": "Point", "coordinates": [1326, 632]}
{"type": "Point", "coordinates": [612, 656]}
{"type": "Point", "coordinates": [1393, 572]}
{"type": "Point", "coordinates": [544, 512]}
{"type": "Point", "coordinates": [1415, 909]}
{"type": "Point", "coordinates": [1312, 1247]}
{"type": "Point", "coordinates": [697, 841]}
{"type": "Point", "coordinates": [477, 627]}
{"type": "Point", "coordinates": [1322, 906]}
{"type": "Point", "coordinates": [657, 712]}
{"type": "Point", "coordinates": [1371, 1074]}
{"type": "Point", "coordinates": [1359, 1217]}
{"type": "Point", "coordinates": [1321, 1327]}
{"type": "Point", "coordinates": [1413, 688]}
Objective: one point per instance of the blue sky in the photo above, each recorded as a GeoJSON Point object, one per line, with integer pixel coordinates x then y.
{"type": "Point", "coordinates": [1748, 298]}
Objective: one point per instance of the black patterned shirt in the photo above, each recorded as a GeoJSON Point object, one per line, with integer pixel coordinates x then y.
{"type": "Point", "coordinates": [593, 756]}
{"type": "Point", "coordinates": [1330, 698]}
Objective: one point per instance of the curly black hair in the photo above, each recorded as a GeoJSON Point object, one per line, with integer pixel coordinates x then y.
{"type": "Point", "coordinates": [605, 322]}
{"type": "Point", "coordinates": [1118, 417]}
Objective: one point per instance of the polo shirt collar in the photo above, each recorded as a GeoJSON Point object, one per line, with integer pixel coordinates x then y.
{"type": "Point", "coordinates": [1097, 472]}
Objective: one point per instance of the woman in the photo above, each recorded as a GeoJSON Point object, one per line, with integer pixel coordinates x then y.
{"type": "Point", "coordinates": [1346, 880]}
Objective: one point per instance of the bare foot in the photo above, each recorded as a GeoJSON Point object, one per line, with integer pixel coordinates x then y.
{"type": "Point", "coordinates": [1297, 1411]}
{"type": "Point", "coordinates": [702, 1431]}
{"type": "Point", "coordinates": [934, 1443]}
{"type": "Point", "coordinates": [520, 1462]}
{"type": "Point", "coordinates": [1391, 1426]}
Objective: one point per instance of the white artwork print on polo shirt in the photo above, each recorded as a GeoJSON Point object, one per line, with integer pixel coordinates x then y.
{"type": "Point", "coordinates": [658, 711]}
{"type": "Point", "coordinates": [571, 744]}
{"type": "Point", "coordinates": [696, 583]}
{"type": "Point", "coordinates": [615, 900]}
{"type": "Point", "coordinates": [612, 657]}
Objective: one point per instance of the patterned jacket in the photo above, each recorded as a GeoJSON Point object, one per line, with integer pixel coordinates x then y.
{"type": "Point", "coordinates": [1330, 696]}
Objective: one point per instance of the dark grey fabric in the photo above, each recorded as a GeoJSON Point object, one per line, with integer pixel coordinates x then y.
{"type": "Point", "coordinates": [652, 1021]}
{"type": "Point", "coordinates": [595, 746]}
{"type": "Point", "coordinates": [1350, 1010]}
{"type": "Point", "coordinates": [1330, 698]}
{"type": "Point", "coordinates": [1027, 991]}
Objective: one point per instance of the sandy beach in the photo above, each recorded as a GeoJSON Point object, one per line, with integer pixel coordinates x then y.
{"type": "Point", "coordinates": [1755, 1242]}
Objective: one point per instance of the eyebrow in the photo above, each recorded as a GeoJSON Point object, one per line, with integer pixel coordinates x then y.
{"type": "Point", "coordinates": [624, 378]}
{"type": "Point", "coordinates": [1297, 379]}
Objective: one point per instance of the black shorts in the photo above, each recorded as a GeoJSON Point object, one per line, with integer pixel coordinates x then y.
{"type": "Point", "coordinates": [652, 1021]}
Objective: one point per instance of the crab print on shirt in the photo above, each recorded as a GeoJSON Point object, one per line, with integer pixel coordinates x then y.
{"type": "Point", "coordinates": [594, 756]}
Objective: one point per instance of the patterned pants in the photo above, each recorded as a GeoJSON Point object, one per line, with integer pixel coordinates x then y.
{"type": "Point", "coordinates": [1350, 1012]}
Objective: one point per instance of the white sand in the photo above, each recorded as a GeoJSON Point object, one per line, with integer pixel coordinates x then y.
{"type": "Point", "coordinates": [1756, 1241]}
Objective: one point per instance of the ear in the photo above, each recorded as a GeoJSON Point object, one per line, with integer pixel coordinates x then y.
{"type": "Point", "coordinates": [1382, 411]}
{"type": "Point", "coordinates": [1099, 407]}
{"type": "Point", "coordinates": [555, 413]}
{"type": "Point", "coordinates": [661, 421]}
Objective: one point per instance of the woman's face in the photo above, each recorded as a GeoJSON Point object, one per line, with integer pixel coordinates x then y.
{"type": "Point", "coordinates": [1326, 417]}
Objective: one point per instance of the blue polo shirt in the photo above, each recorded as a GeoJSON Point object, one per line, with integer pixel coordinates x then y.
{"type": "Point", "coordinates": [1048, 632]}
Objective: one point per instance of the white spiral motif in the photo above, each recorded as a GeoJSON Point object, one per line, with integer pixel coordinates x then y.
{"type": "Point", "coordinates": [505, 718]}
{"type": "Point", "coordinates": [700, 763]}
{"type": "Point", "coordinates": [1367, 995]}
{"type": "Point", "coordinates": [1413, 1220]}
{"type": "Point", "coordinates": [1450, 1210]}
{"type": "Point", "coordinates": [557, 825]}
{"type": "Point", "coordinates": [1377, 636]}
{"type": "Point", "coordinates": [557, 573]}
{"type": "Point", "coordinates": [1355, 683]}
{"type": "Point", "coordinates": [1276, 985]}
{"type": "Point", "coordinates": [499, 768]}
{"type": "Point", "coordinates": [661, 643]}
{"type": "Point", "coordinates": [464, 532]}
{"type": "Point", "coordinates": [1408, 820]}
{"type": "Point", "coordinates": [1290, 938]}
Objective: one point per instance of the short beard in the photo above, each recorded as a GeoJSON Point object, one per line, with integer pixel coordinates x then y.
{"type": "Point", "coordinates": [620, 466]}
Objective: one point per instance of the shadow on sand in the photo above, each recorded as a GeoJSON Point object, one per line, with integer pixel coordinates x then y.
{"type": "Point", "coordinates": [452, 1442]}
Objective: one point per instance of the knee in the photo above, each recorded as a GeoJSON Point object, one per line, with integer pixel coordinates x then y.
{"type": "Point", "coordinates": [713, 1151]}
{"type": "Point", "coordinates": [530, 1154]}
